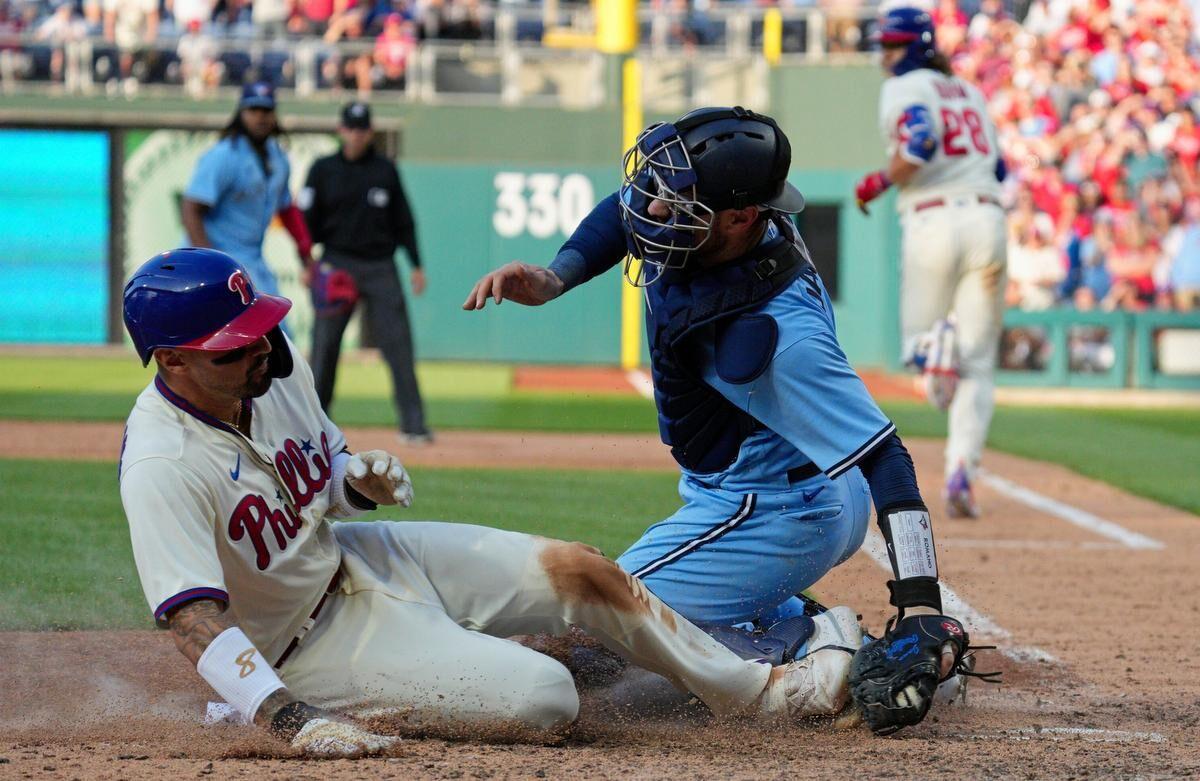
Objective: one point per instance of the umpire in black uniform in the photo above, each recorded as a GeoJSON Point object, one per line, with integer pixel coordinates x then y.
{"type": "Point", "coordinates": [356, 208]}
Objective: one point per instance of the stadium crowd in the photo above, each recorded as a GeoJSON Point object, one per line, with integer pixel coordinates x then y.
{"type": "Point", "coordinates": [1096, 103]}
{"type": "Point", "coordinates": [205, 43]}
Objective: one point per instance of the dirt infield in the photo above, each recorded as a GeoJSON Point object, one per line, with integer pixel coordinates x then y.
{"type": "Point", "coordinates": [1097, 626]}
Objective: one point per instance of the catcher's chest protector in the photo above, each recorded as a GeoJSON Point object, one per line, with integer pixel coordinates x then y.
{"type": "Point", "coordinates": [705, 431]}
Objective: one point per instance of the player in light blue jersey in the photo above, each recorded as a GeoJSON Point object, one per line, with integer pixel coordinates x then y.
{"type": "Point", "coordinates": [240, 185]}
{"type": "Point", "coordinates": [780, 446]}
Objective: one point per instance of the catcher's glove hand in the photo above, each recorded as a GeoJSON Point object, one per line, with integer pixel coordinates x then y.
{"type": "Point", "coordinates": [893, 679]}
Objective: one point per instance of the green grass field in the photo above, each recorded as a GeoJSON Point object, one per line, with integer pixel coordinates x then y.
{"type": "Point", "coordinates": [1152, 453]}
{"type": "Point", "coordinates": [66, 563]}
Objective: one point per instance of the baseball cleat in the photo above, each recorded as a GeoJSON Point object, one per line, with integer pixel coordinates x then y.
{"type": "Point", "coordinates": [941, 367]}
{"type": "Point", "coordinates": [818, 683]}
{"type": "Point", "coordinates": [954, 688]}
{"type": "Point", "coordinates": [417, 439]}
{"type": "Point", "coordinates": [960, 500]}
{"type": "Point", "coordinates": [940, 387]}
{"type": "Point", "coordinates": [935, 355]}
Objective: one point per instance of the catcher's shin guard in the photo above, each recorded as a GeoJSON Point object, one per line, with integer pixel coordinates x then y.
{"type": "Point", "coordinates": [776, 645]}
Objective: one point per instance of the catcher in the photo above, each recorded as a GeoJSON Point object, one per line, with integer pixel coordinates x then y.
{"type": "Point", "coordinates": [776, 437]}
{"type": "Point", "coordinates": [230, 473]}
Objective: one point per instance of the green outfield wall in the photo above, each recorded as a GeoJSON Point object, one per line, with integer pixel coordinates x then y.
{"type": "Point", "coordinates": [488, 185]}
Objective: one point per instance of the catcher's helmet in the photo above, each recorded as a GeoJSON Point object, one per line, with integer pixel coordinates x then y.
{"type": "Point", "coordinates": [708, 160]}
{"type": "Point", "coordinates": [912, 28]}
{"type": "Point", "coordinates": [197, 299]}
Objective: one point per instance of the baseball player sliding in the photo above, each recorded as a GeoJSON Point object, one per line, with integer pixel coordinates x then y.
{"type": "Point", "coordinates": [230, 477]}
{"type": "Point", "coordinates": [776, 437]}
{"type": "Point", "coordinates": [944, 156]}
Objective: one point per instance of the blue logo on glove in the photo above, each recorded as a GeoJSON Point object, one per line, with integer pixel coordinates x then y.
{"type": "Point", "coordinates": [902, 648]}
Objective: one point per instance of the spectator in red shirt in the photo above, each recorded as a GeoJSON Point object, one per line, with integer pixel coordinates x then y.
{"type": "Point", "coordinates": [393, 48]}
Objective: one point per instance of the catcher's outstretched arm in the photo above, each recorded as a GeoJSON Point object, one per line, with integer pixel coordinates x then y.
{"type": "Point", "coordinates": [595, 246]}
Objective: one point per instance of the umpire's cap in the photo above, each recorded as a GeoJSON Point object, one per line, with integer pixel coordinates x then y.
{"type": "Point", "coordinates": [197, 299]}
{"type": "Point", "coordinates": [356, 115]}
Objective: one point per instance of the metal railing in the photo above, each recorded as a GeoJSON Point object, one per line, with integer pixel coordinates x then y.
{"type": "Point", "coordinates": [682, 52]}
{"type": "Point", "coordinates": [1092, 349]}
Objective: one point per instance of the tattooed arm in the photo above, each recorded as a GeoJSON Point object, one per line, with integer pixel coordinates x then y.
{"type": "Point", "coordinates": [194, 627]}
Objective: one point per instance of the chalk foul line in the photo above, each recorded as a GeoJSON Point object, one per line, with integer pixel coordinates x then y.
{"type": "Point", "coordinates": [641, 382]}
{"type": "Point", "coordinates": [1088, 734]}
{"type": "Point", "coordinates": [1074, 515]}
{"type": "Point", "coordinates": [976, 622]}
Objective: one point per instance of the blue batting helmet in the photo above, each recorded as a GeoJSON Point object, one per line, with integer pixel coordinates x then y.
{"type": "Point", "coordinates": [197, 299]}
{"type": "Point", "coordinates": [912, 28]}
{"type": "Point", "coordinates": [706, 161]}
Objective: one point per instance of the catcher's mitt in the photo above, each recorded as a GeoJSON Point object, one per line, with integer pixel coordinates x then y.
{"type": "Point", "coordinates": [893, 679]}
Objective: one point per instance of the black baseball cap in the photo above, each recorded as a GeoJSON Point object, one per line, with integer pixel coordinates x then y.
{"type": "Point", "coordinates": [356, 115]}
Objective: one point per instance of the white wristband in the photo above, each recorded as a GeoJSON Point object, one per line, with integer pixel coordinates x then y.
{"type": "Point", "coordinates": [339, 504]}
{"type": "Point", "coordinates": [912, 544]}
{"type": "Point", "coordinates": [238, 672]}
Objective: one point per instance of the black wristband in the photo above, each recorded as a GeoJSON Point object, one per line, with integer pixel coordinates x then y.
{"type": "Point", "coordinates": [915, 592]}
{"type": "Point", "coordinates": [357, 499]}
{"type": "Point", "coordinates": [289, 719]}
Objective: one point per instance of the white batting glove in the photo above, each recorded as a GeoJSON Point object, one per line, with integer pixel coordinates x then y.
{"type": "Point", "coordinates": [379, 476]}
{"type": "Point", "coordinates": [327, 738]}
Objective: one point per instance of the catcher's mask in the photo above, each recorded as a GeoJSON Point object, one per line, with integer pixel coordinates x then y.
{"type": "Point", "coordinates": [709, 160]}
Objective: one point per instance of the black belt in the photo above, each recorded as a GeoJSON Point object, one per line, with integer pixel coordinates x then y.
{"type": "Point", "coordinates": [312, 617]}
{"type": "Point", "coordinates": [798, 474]}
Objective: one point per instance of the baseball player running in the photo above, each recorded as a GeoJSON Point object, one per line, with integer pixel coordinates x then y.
{"type": "Point", "coordinates": [230, 477]}
{"type": "Point", "coordinates": [944, 156]}
{"type": "Point", "coordinates": [776, 437]}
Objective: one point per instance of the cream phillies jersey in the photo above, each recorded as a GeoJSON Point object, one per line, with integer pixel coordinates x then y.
{"type": "Point", "coordinates": [218, 515]}
{"type": "Point", "coordinates": [964, 162]}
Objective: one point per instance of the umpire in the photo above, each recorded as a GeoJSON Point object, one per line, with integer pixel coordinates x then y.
{"type": "Point", "coordinates": [356, 208]}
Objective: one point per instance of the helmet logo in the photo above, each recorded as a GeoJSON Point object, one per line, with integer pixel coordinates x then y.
{"type": "Point", "coordinates": [238, 283]}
